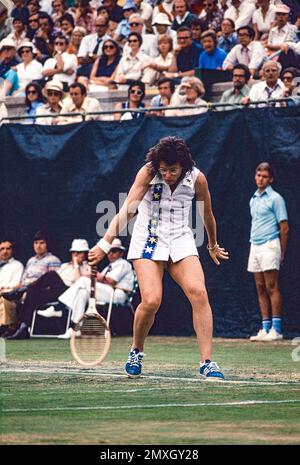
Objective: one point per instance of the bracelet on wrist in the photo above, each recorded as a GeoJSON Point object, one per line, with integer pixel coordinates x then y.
{"type": "Point", "coordinates": [104, 245]}
{"type": "Point", "coordinates": [212, 248]}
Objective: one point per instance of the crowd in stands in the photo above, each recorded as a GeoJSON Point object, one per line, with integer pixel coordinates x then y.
{"type": "Point", "coordinates": [57, 53]}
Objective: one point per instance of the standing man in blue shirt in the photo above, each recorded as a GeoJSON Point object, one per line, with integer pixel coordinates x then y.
{"type": "Point", "coordinates": [268, 238]}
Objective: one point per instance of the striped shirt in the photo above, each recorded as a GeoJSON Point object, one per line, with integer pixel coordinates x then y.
{"type": "Point", "coordinates": [39, 265]}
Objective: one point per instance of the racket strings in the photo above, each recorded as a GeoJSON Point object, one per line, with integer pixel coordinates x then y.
{"type": "Point", "coordinates": [93, 340]}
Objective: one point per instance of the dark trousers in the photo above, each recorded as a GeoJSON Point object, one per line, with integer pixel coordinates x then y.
{"type": "Point", "coordinates": [45, 289]}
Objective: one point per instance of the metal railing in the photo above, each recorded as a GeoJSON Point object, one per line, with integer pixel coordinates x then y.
{"type": "Point", "coordinates": [209, 106]}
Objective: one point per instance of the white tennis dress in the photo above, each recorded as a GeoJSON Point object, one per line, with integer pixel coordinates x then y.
{"type": "Point", "coordinates": [161, 230]}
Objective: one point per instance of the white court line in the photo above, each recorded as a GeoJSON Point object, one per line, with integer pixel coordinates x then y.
{"type": "Point", "coordinates": [196, 379]}
{"type": "Point", "coordinates": [149, 406]}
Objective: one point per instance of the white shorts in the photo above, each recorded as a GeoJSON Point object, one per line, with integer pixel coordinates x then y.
{"type": "Point", "coordinates": [264, 257]}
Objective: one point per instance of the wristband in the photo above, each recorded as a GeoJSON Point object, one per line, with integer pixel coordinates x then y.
{"type": "Point", "coordinates": [104, 245]}
{"type": "Point", "coordinates": [212, 248]}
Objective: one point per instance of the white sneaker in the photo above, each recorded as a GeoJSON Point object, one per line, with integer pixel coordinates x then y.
{"type": "Point", "coordinates": [260, 336]}
{"type": "Point", "coordinates": [50, 312]}
{"type": "Point", "coordinates": [68, 334]}
{"type": "Point", "coordinates": [273, 336]}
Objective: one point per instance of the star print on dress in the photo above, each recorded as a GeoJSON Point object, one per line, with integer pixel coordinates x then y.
{"type": "Point", "coordinates": [152, 239]}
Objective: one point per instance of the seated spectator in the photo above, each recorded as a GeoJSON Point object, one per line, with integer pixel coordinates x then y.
{"type": "Point", "coordinates": [145, 10]}
{"type": "Point", "coordinates": [50, 286]}
{"type": "Point", "coordinates": [290, 78]}
{"type": "Point", "coordinates": [136, 94]}
{"type": "Point", "coordinates": [161, 26]}
{"type": "Point", "coordinates": [104, 67]}
{"type": "Point", "coordinates": [186, 56]}
{"type": "Point", "coordinates": [263, 18]}
{"type": "Point", "coordinates": [189, 94]}
{"type": "Point", "coordinates": [270, 88]}
{"type": "Point", "coordinates": [53, 91]}
{"type": "Point", "coordinates": [79, 103]}
{"type": "Point", "coordinates": [85, 16]}
{"type": "Point", "coordinates": [130, 66]}
{"type": "Point", "coordinates": [44, 37]}
{"type": "Point", "coordinates": [58, 10]}
{"type": "Point", "coordinates": [115, 11]}
{"type": "Point", "coordinates": [33, 25]}
{"type": "Point", "coordinates": [67, 25]}
{"type": "Point", "coordinates": [248, 52]}
{"type": "Point", "coordinates": [63, 65]}
{"type": "Point", "coordinates": [283, 31]}
{"type": "Point", "coordinates": [212, 57]}
{"type": "Point", "coordinates": [91, 47]}
{"type": "Point", "coordinates": [33, 100]}
{"type": "Point", "coordinates": [29, 69]}
{"type": "Point", "coordinates": [196, 28]}
{"type": "Point", "coordinates": [240, 89]}
{"type": "Point", "coordinates": [183, 17]}
{"type": "Point", "coordinates": [33, 6]}
{"type": "Point", "coordinates": [240, 12]}
{"type": "Point", "coordinates": [36, 267]}
{"type": "Point", "coordinates": [18, 36]}
{"type": "Point", "coordinates": [5, 27]}
{"type": "Point", "coordinates": [166, 7]}
{"type": "Point", "coordinates": [227, 38]}
{"type": "Point", "coordinates": [103, 11]}
{"type": "Point", "coordinates": [8, 62]}
{"type": "Point", "coordinates": [161, 64]}
{"type": "Point", "coordinates": [149, 45]}
{"type": "Point", "coordinates": [76, 38]}
{"type": "Point", "coordinates": [211, 16]}
{"type": "Point", "coordinates": [11, 271]}
{"type": "Point", "coordinates": [166, 88]}
{"type": "Point", "coordinates": [20, 11]}
{"type": "Point", "coordinates": [123, 29]}
{"type": "Point", "coordinates": [117, 277]}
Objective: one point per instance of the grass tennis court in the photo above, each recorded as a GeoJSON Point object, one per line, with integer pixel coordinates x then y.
{"type": "Point", "coordinates": [47, 398]}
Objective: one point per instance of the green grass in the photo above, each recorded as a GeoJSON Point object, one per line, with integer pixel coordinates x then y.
{"type": "Point", "coordinates": [47, 398]}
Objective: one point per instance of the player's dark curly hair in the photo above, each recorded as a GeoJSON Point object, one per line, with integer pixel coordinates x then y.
{"type": "Point", "coordinates": [170, 150]}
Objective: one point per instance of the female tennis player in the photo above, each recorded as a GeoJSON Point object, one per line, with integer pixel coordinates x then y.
{"type": "Point", "coordinates": [162, 192]}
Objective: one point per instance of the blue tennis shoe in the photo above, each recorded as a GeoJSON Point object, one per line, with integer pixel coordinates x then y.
{"type": "Point", "coordinates": [210, 370]}
{"type": "Point", "coordinates": [133, 366]}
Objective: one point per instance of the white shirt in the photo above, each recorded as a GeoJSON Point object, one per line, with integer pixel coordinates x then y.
{"type": "Point", "coordinates": [168, 7]}
{"type": "Point", "coordinates": [261, 91]}
{"type": "Point", "coordinates": [285, 34]}
{"type": "Point", "coordinates": [148, 47]}
{"type": "Point", "coordinates": [242, 15]}
{"type": "Point", "coordinates": [11, 273]}
{"type": "Point", "coordinates": [264, 24]}
{"type": "Point", "coordinates": [67, 272]}
{"type": "Point", "coordinates": [256, 55]}
{"type": "Point", "coordinates": [89, 43]}
{"type": "Point", "coordinates": [121, 272]}
{"type": "Point", "coordinates": [89, 105]}
{"type": "Point", "coordinates": [28, 73]}
{"type": "Point", "coordinates": [46, 110]}
{"type": "Point", "coordinates": [145, 11]}
{"type": "Point", "coordinates": [130, 66]}
{"type": "Point", "coordinates": [70, 61]}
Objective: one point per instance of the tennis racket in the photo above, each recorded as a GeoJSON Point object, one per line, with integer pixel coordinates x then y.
{"type": "Point", "coordinates": [92, 345]}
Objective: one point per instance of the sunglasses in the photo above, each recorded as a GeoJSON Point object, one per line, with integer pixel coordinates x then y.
{"type": "Point", "coordinates": [59, 43]}
{"type": "Point", "coordinates": [24, 51]}
{"type": "Point", "coordinates": [137, 92]}
{"type": "Point", "coordinates": [134, 24]}
{"type": "Point", "coordinates": [132, 41]}
{"type": "Point", "coordinates": [53, 92]}
{"type": "Point", "coordinates": [113, 250]}
{"type": "Point", "coordinates": [33, 92]}
{"type": "Point", "coordinates": [287, 78]}
{"type": "Point", "coordinates": [109, 46]}
{"type": "Point", "coordinates": [33, 20]}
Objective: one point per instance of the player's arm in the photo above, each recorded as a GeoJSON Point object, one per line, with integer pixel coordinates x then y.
{"type": "Point", "coordinates": [203, 195]}
{"type": "Point", "coordinates": [121, 219]}
{"type": "Point", "coordinates": [283, 237]}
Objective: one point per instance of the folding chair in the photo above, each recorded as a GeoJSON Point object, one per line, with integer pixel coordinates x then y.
{"type": "Point", "coordinates": [50, 327]}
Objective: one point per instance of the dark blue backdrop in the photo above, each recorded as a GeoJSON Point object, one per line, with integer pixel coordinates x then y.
{"type": "Point", "coordinates": [54, 177]}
